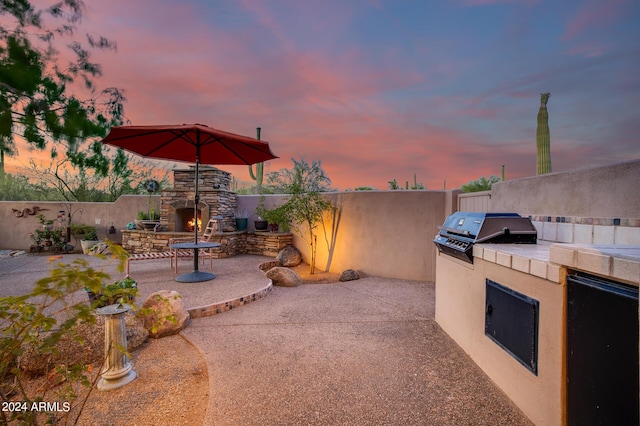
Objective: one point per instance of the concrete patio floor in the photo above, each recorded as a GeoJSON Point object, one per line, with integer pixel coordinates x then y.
{"type": "Point", "coordinates": [361, 352]}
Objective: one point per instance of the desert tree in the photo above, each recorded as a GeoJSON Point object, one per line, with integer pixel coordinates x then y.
{"type": "Point", "coordinates": [305, 206]}
{"type": "Point", "coordinates": [48, 92]}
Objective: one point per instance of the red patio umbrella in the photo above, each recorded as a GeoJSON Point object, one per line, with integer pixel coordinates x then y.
{"type": "Point", "coordinates": [193, 143]}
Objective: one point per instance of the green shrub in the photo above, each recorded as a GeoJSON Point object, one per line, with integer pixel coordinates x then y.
{"type": "Point", "coordinates": [80, 229]}
{"type": "Point", "coordinates": [120, 292]}
{"type": "Point", "coordinates": [48, 310]}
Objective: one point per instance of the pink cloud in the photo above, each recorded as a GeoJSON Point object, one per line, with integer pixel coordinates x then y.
{"type": "Point", "coordinates": [593, 14]}
{"type": "Point", "coordinates": [590, 50]}
{"type": "Point", "coordinates": [492, 2]}
{"type": "Point", "coordinates": [318, 102]}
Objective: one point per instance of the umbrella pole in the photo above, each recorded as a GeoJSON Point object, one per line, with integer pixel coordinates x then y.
{"type": "Point", "coordinates": [197, 198]}
{"type": "Point", "coordinates": [195, 216]}
{"type": "Point", "coordinates": [196, 203]}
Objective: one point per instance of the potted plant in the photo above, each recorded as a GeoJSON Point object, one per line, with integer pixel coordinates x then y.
{"type": "Point", "coordinates": [277, 218]}
{"type": "Point", "coordinates": [44, 232]}
{"type": "Point", "coordinates": [48, 235]}
{"type": "Point", "coordinates": [36, 237]}
{"type": "Point", "coordinates": [140, 218]}
{"type": "Point", "coordinates": [58, 240]}
{"type": "Point", "coordinates": [119, 292]}
{"type": "Point", "coordinates": [150, 220]}
{"type": "Point", "coordinates": [260, 223]}
{"type": "Point", "coordinates": [90, 239]}
{"type": "Point", "coordinates": [78, 230]}
{"type": "Point", "coordinates": [242, 219]}
{"type": "Point", "coordinates": [154, 215]}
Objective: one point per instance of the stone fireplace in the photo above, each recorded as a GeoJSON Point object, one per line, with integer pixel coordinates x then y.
{"type": "Point", "coordinates": [216, 199]}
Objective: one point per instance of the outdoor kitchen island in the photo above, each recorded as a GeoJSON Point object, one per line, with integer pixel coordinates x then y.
{"type": "Point", "coordinates": [513, 311]}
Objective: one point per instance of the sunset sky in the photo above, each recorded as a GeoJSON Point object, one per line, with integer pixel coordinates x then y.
{"type": "Point", "coordinates": [383, 89]}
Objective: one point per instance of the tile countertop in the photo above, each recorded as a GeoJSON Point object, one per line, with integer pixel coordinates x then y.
{"type": "Point", "coordinates": [544, 259]}
{"type": "Point", "coordinates": [620, 262]}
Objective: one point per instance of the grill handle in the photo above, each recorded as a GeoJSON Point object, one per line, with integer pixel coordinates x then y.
{"type": "Point", "coordinates": [461, 232]}
{"type": "Point", "coordinates": [506, 231]}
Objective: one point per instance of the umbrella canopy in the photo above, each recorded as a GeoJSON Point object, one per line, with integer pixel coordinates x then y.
{"type": "Point", "coordinates": [193, 143]}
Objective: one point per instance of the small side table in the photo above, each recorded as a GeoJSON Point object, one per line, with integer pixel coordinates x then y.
{"type": "Point", "coordinates": [195, 276]}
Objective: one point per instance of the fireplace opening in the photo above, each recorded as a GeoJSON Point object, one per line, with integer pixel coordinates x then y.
{"type": "Point", "coordinates": [185, 221]}
{"type": "Point", "coordinates": [191, 223]}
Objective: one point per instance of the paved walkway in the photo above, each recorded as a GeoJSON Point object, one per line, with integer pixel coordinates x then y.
{"type": "Point", "coordinates": [358, 353]}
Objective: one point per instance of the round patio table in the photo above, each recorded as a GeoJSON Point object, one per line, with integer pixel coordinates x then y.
{"type": "Point", "coordinates": [195, 276]}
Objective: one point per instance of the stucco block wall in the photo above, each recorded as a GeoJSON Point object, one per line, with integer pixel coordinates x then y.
{"type": "Point", "coordinates": [381, 233]}
{"type": "Point", "coordinates": [601, 192]}
{"type": "Point", "coordinates": [385, 233]}
{"type": "Point", "coordinates": [15, 230]}
{"type": "Point", "coordinates": [460, 311]}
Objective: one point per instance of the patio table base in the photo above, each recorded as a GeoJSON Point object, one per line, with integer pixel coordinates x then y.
{"type": "Point", "coordinates": [195, 277]}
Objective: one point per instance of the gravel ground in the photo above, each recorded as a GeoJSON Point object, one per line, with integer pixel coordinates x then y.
{"type": "Point", "coordinates": [364, 352]}
{"type": "Point", "coordinates": [171, 388]}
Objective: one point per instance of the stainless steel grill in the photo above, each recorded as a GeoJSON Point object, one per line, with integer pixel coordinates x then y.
{"type": "Point", "coordinates": [462, 230]}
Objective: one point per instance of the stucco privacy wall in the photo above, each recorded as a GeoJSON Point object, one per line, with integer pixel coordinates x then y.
{"type": "Point", "coordinates": [386, 233]}
{"type": "Point", "coordinates": [601, 192]}
{"type": "Point", "coordinates": [383, 233]}
{"type": "Point", "coordinates": [14, 233]}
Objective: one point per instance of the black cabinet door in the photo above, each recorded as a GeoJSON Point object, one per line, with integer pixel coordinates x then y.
{"type": "Point", "coordinates": [511, 321]}
{"type": "Point", "coordinates": [602, 352]}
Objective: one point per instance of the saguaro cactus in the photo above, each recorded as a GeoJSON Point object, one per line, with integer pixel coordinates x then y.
{"type": "Point", "coordinates": [543, 137]}
{"type": "Point", "coordinates": [259, 174]}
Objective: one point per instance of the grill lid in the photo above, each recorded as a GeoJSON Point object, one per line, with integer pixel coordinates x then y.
{"type": "Point", "coordinates": [463, 229]}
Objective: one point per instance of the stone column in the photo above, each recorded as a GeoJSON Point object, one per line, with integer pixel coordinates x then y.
{"type": "Point", "coordinates": [117, 370]}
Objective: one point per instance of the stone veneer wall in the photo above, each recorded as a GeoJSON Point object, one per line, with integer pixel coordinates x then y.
{"type": "Point", "coordinates": [216, 198]}
{"type": "Point", "coordinates": [209, 178]}
{"type": "Point", "coordinates": [137, 242]}
{"type": "Point", "coordinates": [267, 243]}
{"type": "Point", "coordinates": [232, 243]}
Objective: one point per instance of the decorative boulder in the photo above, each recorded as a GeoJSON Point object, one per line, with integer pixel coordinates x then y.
{"type": "Point", "coordinates": [349, 275]}
{"type": "Point", "coordinates": [163, 314]}
{"type": "Point", "coordinates": [264, 267]}
{"type": "Point", "coordinates": [283, 277]}
{"type": "Point", "coordinates": [289, 256]}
